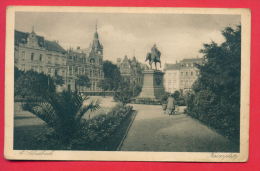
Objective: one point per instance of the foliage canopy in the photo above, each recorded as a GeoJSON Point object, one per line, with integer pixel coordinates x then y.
{"type": "Point", "coordinates": [216, 94]}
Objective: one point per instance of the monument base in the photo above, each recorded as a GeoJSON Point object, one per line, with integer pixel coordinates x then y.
{"type": "Point", "coordinates": [152, 84]}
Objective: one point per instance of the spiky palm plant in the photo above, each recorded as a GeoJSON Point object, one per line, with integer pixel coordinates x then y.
{"type": "Point", "coordinates": [63, 112]}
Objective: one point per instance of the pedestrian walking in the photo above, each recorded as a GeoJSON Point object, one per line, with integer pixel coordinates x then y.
{"type": "Point", "coordinates": [170, 105]}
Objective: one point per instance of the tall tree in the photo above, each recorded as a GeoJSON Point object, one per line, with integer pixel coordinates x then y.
{"type": "Point", "coordinates": [82, 81]}
{"type": "Point", "coordinates": [32, 84]}
{"type": "Point", "coordinates": [216, 97]}
{"type": "Point", "coordinates": [112, 76]}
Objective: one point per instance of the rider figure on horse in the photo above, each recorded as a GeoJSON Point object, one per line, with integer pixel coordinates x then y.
{"type": "Point", "coordinates": [154, 57]}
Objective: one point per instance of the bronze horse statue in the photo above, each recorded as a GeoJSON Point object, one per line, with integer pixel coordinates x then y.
{"type": "Point", "coordinates": [154, 57]}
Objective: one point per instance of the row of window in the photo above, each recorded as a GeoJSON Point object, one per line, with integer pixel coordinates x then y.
{"type": "Point", "coordinates": [81, 71]}
{"type": "Point", "coordinates": [191, 73]}
{"type": "Point", "coordinates": [93, 86]}
{"type": "Point", "coordinates": [188, 65]}
{"type": "Point", "coordinates": [83, 59]}
{"type": "Point", "coordinates": [39, 58]}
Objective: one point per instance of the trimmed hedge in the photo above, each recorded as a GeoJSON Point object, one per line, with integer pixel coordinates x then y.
{"type": "Point", "coordinates": [147, 101]}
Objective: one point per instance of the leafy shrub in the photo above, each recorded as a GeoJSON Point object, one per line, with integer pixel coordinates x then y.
{"type": "Point", "coordinates": [136, 90]}
{"type": "Point", "coordinates": [148, 101]}
{"type": "Point", "coordinates": [215, 99]}
{"type": "Point", "coordinates": [123, 94]}
{"type": "Point", "coordinates": [101, 127]}
{"type": "Point", "coordinates": [92, 133]}
{"type": "Point", "coordinates": [178, 96]}
{"type": "Point", "coordinates": [32, 85]}
{"type": "Point", "coordinates": [63, 112]}
{"type": "Point", "coordinates": [164, 98]}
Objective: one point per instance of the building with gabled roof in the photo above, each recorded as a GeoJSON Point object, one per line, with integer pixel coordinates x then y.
{"type": "Point", "coordinates": [34, 52]}
{"type": "Point", "coordinates": [131, 70]}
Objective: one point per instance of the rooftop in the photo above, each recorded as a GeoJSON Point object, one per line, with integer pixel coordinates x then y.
{"type": "Point", "coordinates": [22, 37]}
{"type": "Point", "coordinates": [193, 60]}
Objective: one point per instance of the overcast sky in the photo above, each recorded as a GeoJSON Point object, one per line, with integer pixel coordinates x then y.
{"type": "Point", "coordinates": [177, 36]}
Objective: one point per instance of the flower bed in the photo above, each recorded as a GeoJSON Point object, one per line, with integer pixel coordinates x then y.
{"type": "Point", "coordinates": [100, 128]}
{"type": "Point", "coordinates": [103, 132]}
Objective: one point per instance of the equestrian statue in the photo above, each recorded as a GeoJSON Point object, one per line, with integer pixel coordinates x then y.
{"type": "Point", "coordinates": [154, 57]}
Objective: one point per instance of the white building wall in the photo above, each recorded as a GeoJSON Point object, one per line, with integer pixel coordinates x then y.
{"type": "Point", "coordinates": [172, 80]}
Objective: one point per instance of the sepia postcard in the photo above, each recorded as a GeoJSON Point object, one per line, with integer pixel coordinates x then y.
{"type": "Point", "coordinates": [127, 84]}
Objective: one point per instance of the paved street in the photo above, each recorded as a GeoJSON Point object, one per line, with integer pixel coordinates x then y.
{"type": "Point", "coordinates": [154, 131]}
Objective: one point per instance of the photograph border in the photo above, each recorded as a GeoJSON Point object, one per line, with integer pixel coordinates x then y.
{"type": "Point", "coordinates": [242, 156]}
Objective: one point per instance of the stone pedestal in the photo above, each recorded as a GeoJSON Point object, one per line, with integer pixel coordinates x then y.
{"type": "Point", "coordinates": [152, 84]}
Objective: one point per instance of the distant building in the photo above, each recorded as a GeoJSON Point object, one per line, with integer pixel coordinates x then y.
{"type": "Point", "coordinates": [172, 77]}
{"type": "Point", "coordinates": [189, 72]}
{"type": "Point", "coordinates": [33, 52]}
{"type": "Point", "coordinates": [181, 75]}
{"type": "Point", "coordinates": [131, 70]}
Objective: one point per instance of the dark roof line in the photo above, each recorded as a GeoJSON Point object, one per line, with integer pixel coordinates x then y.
{"type": "Point", "coordinates": [22, 37]}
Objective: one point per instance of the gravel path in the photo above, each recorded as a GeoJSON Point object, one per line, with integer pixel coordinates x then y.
{"type": "Point", "coordinates": [154, 131]}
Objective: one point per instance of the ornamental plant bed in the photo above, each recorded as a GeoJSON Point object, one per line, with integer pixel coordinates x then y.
{"type": "Point", "coordinates": [101, 133]}
{"type": "Point", "coordinates": [105, 132]}
{"type": "Point", "coordinates": [147, 101]}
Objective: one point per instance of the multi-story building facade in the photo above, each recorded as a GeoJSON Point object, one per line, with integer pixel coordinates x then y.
{"type": "Point", "coordinates": [189, 72]}
{"type": "Point", "coordinates": [33, 52]}
{"type": "Point", "coordinates": [172, 77]}
{"type": "Point", "coordinates": [86, 62]}
{"type": "Point", "coordinates": [181, 75]}
{"type": "Point", "coordinates": [131, 70]}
